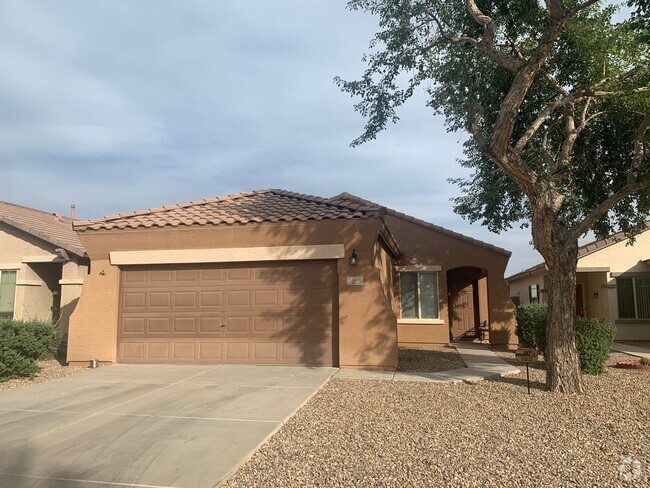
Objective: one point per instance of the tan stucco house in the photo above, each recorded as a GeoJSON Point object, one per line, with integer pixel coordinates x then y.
{"type": "Point", "coordinates": [613, 283]}
{"type": "Point", "coordinates": [42, 265]}
{"type": "Point", "coordinates": [275, 277]}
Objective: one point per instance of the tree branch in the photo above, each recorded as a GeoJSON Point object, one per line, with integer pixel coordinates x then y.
{"type": "Point", "coordinates": [632, 186]}
{"type": "Point", "coordinates": [524, 78]}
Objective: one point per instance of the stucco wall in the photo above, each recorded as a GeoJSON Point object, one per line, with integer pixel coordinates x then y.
{"type": "Point", "coordinates": [36, 281]}
{"type": "Point", "coordinates": [621, 259]}
{"type": "Point", "coordinates": [425, 246]}
{"type": "Point", "coordinates": [367, 326]}
{"type": "Point", "coordinates": [597, 273]}
{"type": "Point", "coordinates": [520, 288]}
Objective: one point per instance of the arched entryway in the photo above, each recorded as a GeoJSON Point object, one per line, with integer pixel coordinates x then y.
{"type": "Point", "coordinates": [468, 307]}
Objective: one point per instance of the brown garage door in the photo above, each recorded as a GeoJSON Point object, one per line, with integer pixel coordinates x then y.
{"type": "Point", "coordinates": [267, 313]}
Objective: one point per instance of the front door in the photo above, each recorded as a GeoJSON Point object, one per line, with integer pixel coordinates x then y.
{"type": "Point", "coordinates": [463, 317]}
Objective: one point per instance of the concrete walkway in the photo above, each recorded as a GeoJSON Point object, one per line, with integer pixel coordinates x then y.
{"type": "Point", "coordinates": [630, 350]}
{"type": "Point", "coordinates": [481, 363]}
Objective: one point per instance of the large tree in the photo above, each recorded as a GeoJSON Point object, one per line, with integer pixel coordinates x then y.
{"type": "Point", "coordinates": [555, 96]}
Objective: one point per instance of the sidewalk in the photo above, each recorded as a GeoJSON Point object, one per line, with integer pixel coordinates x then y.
{"type": "Point", "coordinates": [481, 363]}
{"type": "Point", "coordinates": [630, 350]}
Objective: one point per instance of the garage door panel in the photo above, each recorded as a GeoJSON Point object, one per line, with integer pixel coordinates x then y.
{"type": "Point", "coordinates": [159, 299]}
{"type": "Point", "coordinates": [186, 276]}
{"type": "Point", "coordinates": [238, 325]}
{"type": "Point", "coordinates": [238, 274]}
{"type": "Point", "coordinates": [212, 276]}
{"type": "Point", "coordinates": [134, 325]}
{"type": "Point", "coordinates": [238, 298]}
{"type": "Point", "coordinates": [135, 300]}
{"type": "Point", "coordinates": [157, 350]}
{"type": "Point", "coordinates": [184, 326]}
{"type": "Point", "coordinates": [184, 351]}
{"type": "Point", "coordinates": [210, 324]}
{"type": "Point", "coordinates": [161, 276]}
{"type": "Point", "coordinates": [266, 298]}
{"type": "Point", "coordinates": [185, 299]}
{"type": "Point", "coordinates": [211, 298]}
{"type": "Point", "coordinates": [159, 325]}
{"type": "Point", "coordinates": [275, 313]}
{"type": "Point", "coordinates": [210, 351]}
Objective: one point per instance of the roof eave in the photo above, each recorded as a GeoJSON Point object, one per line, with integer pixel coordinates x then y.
{"type": "Point", "coordinates": [77, 251]}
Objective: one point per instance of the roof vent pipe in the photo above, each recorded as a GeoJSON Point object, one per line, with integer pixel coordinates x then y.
{"type": "Point", "coordinates": [72, 208]}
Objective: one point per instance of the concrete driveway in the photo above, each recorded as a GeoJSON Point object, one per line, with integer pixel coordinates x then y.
{"type": "Point", "coordinates": [145, 425]}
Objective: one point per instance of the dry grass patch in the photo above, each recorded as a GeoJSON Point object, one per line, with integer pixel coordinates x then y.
{"type": "Point", "coordinates": [428, 359]}
{"type": "Point", "coordinates": [380, 433]}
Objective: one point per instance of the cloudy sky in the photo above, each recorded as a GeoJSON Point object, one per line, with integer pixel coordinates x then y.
{"type": "Point", "coordinates": [124, 105]}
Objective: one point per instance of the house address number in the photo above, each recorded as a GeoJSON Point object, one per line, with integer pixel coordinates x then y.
{"type": "Point", "coordinates": [354, 280]}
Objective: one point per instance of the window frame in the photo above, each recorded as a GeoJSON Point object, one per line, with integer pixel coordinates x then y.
{"type": "Point", "coordinates": [530, 293]}
{"type": "Point", "coordinates": [635, 298]}
{"type": "Point", "coordinates": [419, 317]}
{"type": "Point", "coordinates": [5, 315]}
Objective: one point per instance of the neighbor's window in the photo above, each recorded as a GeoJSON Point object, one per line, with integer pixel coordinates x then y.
{"type": "Point", "coordinates": [419, 295]}
{"type": "Point", "coordinates": [7, 294]}
{"type": "Point", "coordinates": [533, 294]}
{"type": "Point", "coordinates": [633, 297]}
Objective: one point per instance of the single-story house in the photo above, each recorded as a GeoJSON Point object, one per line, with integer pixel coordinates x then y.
{"type": "Point", "coordinates": [613, 283]}
{"type": "Point", "coordinates": [275, 277]}
{"type": "Point", "coordinates": [42, 265]}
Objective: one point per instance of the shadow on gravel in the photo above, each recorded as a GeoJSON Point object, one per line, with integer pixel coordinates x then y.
{"type": "Point", "coordinates": [534, 385]}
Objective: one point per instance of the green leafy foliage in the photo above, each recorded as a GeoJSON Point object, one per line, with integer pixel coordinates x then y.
{"type": "Point", "coordinates": [414, 49]}
{"type": "Point", "coordinates": [22, 344]}
{"type": "Point", "coordinates": [531, 325]}
{"type": "Point", "coordinates": [645, 361]}
{"type": "Point", "coordinates": [593, 336]}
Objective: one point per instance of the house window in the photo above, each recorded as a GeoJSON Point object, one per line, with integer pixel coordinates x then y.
{"type": "Point", "coordinates": [419, 295]}
{"type": "Point", "coordinates": [533, 294]}
{"type": "Point", "coordinates": [633, 296]}
{"type": "Point", "coordinates": [7, 294]}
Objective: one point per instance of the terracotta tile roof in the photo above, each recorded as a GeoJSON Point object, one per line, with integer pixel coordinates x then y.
{"type": "Point", "coordinates": [584, 250]}
{"type": "Point", "coordinates": [348, 199]}
{"type": "Point", "coordinates": [55, 229]}
{"type": "Point", "coordinates": [242, 208]}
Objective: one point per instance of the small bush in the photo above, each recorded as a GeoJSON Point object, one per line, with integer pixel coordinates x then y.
{"type": "Point", "coordinates": [531, 325]}
{"type": "Point", "coordinates": [645, 360]}
{"type": "Point", "coordinates": [593, 336]}
{"type": "Point", "coordinates": [22, 344]}
{"type": "Point", "coordinates": [593, 339]}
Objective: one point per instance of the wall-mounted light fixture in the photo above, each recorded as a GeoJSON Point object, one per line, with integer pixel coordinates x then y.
{"type": "Point", "coordinates": [353, 257]}
{"type": "Point", "coordinates": [595, 295]}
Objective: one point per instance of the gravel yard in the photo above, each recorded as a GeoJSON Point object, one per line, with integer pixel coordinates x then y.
{"type": "Point", "coordinates": [429, 359]}
{"type": "Point", "coordinates": [492, 434]}
{"type": "Point", "coordinates": [50, 369]}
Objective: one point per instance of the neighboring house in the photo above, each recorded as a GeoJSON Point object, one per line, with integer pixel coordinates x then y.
{"type": "Point", "coordinates": [42, 265]}
{"type": "Point", "coordinates": [278, 277]}
{"type": "Point", "coordinates": [613, 283]}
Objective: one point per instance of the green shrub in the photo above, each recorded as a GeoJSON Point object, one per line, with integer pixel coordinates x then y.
{"type": "Point", "coordinates": [531, 325]}
{"type": "Point", "coordinates": [593, 339]}
{"type": "Point", "coordinates": [22, 343]}
{"type": "Point", "coordinates": [593, 336]}
{"type": "Point", "coordinates": [645, 360]}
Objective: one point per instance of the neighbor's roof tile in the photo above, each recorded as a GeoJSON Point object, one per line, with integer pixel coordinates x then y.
{"type": "Point", "coordinates": [55, 229]}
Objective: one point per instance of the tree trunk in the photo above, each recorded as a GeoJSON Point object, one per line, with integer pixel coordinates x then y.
{"type": "Point", "coordinates": [562, 362]}
{"type": "Point", "coordinates": [561, 254]}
